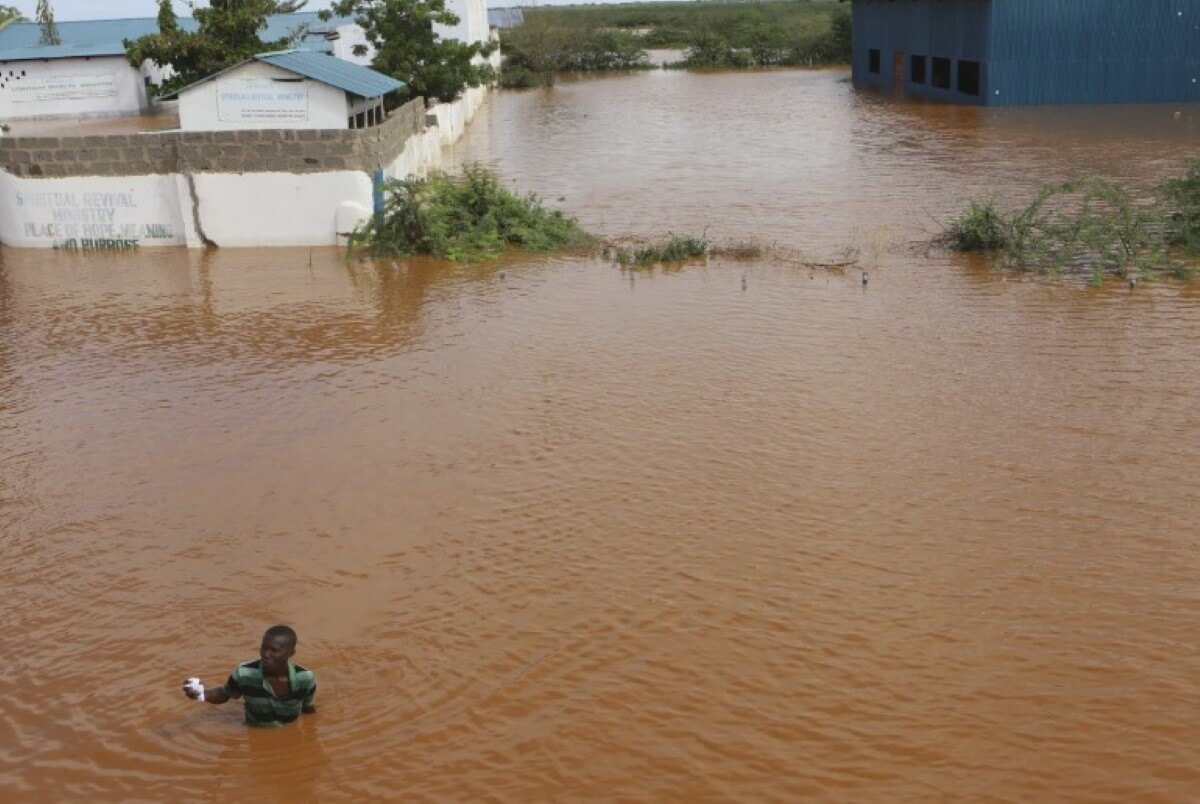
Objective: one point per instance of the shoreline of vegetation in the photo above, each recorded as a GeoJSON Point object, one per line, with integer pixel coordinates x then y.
{"type": "Point", "coordinates": [719, 34]}
{"type": "Point", "coordinates": [474, 218]}
{"type": "Point", "coordinates": [1089, 226]}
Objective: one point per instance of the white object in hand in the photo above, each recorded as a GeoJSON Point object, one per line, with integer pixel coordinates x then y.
{"type": "Point", "coordinates": [195, 685]}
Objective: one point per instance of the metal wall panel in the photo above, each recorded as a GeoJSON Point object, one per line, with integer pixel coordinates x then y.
{"type": "Point", "coordinates": [1041, 51]}
{"type": "Point", "coordinates": [1094, 51]}
{"type": "Point", "coordinates": [953, 29]}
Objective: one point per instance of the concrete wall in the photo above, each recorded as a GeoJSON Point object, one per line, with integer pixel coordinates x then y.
{"type": "Point", "coordinates": [93, 86]}
{"type": "Point", "coordinates": [266, 150]}
{"type": "Point", "coordinates": [200, 108]}
{"type": "Point", "coordinates": [90, 212]}
{"type": "Point", "coordinates": [227, 188]}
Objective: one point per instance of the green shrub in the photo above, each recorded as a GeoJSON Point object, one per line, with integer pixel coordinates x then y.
{"type": "Point", "coordinates": [1182, 198]}
{"type": "Point", "coordinates": [1088, 225]}
{"type": "Point", "coordinates": [981, 227]}
{"type": "Point", "coordinates": [467, 218]}
{"type": "Point", "coordinates": [517, 77]}
{"type": "Point", "coordinates": [676, 249]}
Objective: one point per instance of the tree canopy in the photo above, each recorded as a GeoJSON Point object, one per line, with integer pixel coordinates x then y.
{"type": "Point", "coordinates": [10, 14]}
{"type": "Point", "coordinates": [409, 49]}
{"type": "Point", "coordinates": [45, 18]}
{"type": "Point", "coordinates": [228, 34]}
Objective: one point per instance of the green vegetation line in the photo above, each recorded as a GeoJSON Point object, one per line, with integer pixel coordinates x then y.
{"type": "Point", "coordinates": [1089, 225]}
{"type": "Point", "coordinates": [711, 34]}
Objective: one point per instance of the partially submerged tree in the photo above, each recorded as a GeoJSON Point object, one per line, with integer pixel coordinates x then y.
{"type": "Point", "coordinates": [45, 19]}
{"type": "Point", "coordinates": [228, 34]}
{"type": "Point", "coordinates": [409, 49]}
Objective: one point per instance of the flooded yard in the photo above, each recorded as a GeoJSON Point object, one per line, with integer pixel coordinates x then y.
{"type": "Point", "coordinates": [550, 532]}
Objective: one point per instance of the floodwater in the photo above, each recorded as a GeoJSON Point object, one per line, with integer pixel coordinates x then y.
{"type": "Point", "coordinates": [551, 533]}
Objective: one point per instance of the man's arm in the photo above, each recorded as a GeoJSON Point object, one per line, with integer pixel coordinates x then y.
{"type": "Point", "coordinates": [216, 695]}
{"type": "Point", "coordinates": [309, 706]}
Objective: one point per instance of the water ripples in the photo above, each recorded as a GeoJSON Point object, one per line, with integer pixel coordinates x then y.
{"type": "Point", "coordinates": [560, 535]}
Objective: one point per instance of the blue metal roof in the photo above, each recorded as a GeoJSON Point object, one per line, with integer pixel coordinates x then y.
{"type": "Point", "coordinates": [345, 75]}
{"type": "Point", "coordinates": [338, 73]}
{"type": "Point", "coordinates": [19, 41]}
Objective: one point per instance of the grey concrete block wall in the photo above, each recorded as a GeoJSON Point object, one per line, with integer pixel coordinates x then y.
{"type": "Point", "coordinates": [252, 151]}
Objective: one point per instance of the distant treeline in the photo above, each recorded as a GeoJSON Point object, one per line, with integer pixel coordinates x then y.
{"type": "Point", "coordinates": [710, 34]}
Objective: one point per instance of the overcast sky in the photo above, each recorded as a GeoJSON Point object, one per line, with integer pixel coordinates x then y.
{"type": "Point", "coordinates": [108, 9]}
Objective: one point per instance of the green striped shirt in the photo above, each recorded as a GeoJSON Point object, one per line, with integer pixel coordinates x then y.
{"type": "Point", "coordinates": [263, 706]}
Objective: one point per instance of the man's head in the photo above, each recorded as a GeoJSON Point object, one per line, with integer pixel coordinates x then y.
{"type": "Point", "coordinates": [278, 645]}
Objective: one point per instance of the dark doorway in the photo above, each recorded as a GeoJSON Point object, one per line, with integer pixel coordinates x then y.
{"type": "Point", "coordinates": [968, 78]}
{"type": "Point", "coordinates": [916, 72]}
{"type": "Point", "coordinates": [940, 76]}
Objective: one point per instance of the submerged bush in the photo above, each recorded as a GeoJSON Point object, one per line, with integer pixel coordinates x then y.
{"type": "Point", "coordinates": [517, 77]}
{"type": "Point", "coordinates": [465, 218]}
{"type": "Point", "coordinates": [542, 50]}
{"type": "Point", "coordinates": [981, 227]}
{"type": "Point", "coordinates": [1088, 225]}
{"type": "Point", "coordinates": [1182, 198]}
{"type": "Point", "coordinates": [675, 249]}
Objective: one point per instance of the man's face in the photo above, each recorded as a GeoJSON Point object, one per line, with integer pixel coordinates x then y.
{"type": "Point", "coordinates": [275, 652]}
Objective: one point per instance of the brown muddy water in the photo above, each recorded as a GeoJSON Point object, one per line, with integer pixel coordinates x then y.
{"type": "Point", "coordinates": [557, 534]}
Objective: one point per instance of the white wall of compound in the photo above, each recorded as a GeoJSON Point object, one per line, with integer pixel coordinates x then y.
{"type": "Point", "coordinates": [78, 87]}
{"type": "Point", "coordinates": [90, 212]}
{"type": "Point", "coordinates": [230, 209]}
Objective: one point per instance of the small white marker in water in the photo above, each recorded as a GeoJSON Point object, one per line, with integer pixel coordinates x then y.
{"type": "Point", "coordinates": [503, 274]}
{"type": "Point", "coordinates": [866, 277]}
{"type": "Point", "coordinates": [743, 280]}
{"type": "Point", "coordinates": [1133, 280]}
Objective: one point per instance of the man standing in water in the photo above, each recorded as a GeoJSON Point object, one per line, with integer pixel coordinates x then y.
{"type": "Point", "coordinates": [275, 690]}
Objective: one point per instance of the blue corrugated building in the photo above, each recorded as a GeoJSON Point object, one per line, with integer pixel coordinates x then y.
{"type": "Point", "coordinates": [1021, 52]}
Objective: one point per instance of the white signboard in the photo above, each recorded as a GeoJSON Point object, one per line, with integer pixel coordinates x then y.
{"type": "Point", "coordinates": [62, 87]}
{"type": "Point", "coordinates": [252, 100]}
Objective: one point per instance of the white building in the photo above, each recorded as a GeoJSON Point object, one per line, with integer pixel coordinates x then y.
{"type": "Point", "coordinates": [289, 89]}
{"type": "Point", "coordinates": [87, 73]}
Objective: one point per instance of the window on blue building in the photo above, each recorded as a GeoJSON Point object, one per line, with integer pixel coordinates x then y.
{"type": "Point", "coordinates": [968, 78]}
{"type": "Point", "coordinates": [873, 62]}
{"type": "Point", "coordinates": [940, 75]}
{"type": "Point", "coordinates": [916, 69]}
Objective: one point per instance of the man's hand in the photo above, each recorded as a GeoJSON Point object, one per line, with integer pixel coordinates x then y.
{"type": "Point", "coordinates": [215, 695]}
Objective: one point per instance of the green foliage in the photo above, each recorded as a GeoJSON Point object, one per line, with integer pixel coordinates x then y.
{"type": "Point", "coordinates": [535, 51]}
{"type": "Point", "coordinates": [168, 21]}
{"type": "Point", "coordinates": [45, 18]}
{"type": "Point", "coordinates": [675, 249]}
{"type": "Point", "coordinates": [981, 227]}
{"type": "Point", "coordinates": [227, 35]}
{"type": "Point", "coordinates": [714, 34]}
{"type": "Point", "coordinates": [469, 218]}
{"type": "Point", "coordinates": [408, 49]}
{"type": "Point", "coordinates": [607, 50]}
{"type": "Point", "coordinates": [1089, 225]}
{"type": "Point", "coordinates": [517, 77]}
{"type": "Point", "coordinates": [841, 35]}
{"type": "Point", "coordinates": [1182, 197]}
{"type": "Point", "coordinates": [714, 50]}
{"type": "Point", "coordinates": [10, 14]}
